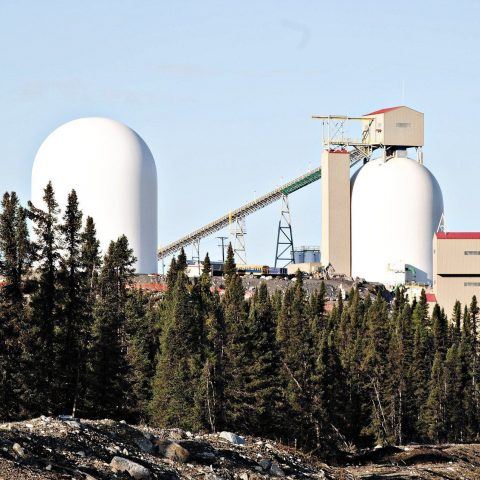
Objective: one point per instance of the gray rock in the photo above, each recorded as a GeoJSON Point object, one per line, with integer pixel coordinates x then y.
{"type": "Point", "coordinates": [232, 438]}
{"type": "Point", "coordinates": [81, 453]}
{"type": "Point", "coordinates": [73, 424]}
{"type": "Point", "coordinates": [276, 470]}
{"type": "Point", "coordinates": [144, 445]}
{"type": "Point", "coordinates": [244, 476]}
{"type": "Point", "coordinates": [18, 449]}
{"type": "Point", "coordinates": [135, 470]}
{"type": "Point", "coordinates": [265, 464]}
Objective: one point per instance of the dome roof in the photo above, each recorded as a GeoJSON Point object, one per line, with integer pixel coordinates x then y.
{"type": "Point", "coordinates": [114, 174]}
{"type": "Point", "coordinates": [396, 209]}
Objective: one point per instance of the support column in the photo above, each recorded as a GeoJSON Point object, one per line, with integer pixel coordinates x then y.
{"type": "Point", "coordinates": [336, 242]}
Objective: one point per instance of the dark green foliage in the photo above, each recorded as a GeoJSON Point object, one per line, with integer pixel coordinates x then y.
{"type": "Point", "coordinates": [71, 327]}
{"type": "Point", "coordinates": [262, 376]}
{"type": "Point", "coordinates": [16, 257]}
{"type": "Point", "coordinates": [44, 303]}
{"type": "Point", "coordinates": [76, 337]}
{"type": "Point", "coordinates": [207, 265]}
{"type": "Point", "coordinates": [108, 367]}
{"type": "Point", "coordinates": [142, 346]}
{"type": "Point", "coordinates": [176, 382]}
{"type": "Point", "coordinates": [229, 269]}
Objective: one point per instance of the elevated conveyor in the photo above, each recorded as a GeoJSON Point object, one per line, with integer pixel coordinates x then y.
{"type": "Point", "coordinates": [296, 184]}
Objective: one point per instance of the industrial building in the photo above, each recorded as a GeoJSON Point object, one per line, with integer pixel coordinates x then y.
{"type": "Point", "coordinates": [377, 224]}
{"type": "Point", "coordinates": [456, 268]}
{"type": "Point", "coordinates": [115, 177]}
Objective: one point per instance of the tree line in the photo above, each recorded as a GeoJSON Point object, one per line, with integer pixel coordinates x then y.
{"type": "Point", "coordinates": [74, 338]}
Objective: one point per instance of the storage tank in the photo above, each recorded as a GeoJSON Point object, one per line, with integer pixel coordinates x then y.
{"type": "Point", "coordinates": [114, 174]}
{"type": "Point", "coordinates": [396, 208]}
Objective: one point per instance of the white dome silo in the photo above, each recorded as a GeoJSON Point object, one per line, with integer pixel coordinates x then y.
{"type": "Point", "coordinates": [114, 174]}
{"type": "Point", "coordinates": [396, 209]}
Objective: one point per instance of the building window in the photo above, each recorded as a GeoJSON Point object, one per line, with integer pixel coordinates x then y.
{"type": "Point", "coordinates": [403, 125]}
{"type": "Point", "coordinates": [472, 252]}
{"type": "Point", "coordinates": [471, 284]}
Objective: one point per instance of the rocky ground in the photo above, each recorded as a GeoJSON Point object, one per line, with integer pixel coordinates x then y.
{"type": "Point", "coordinates": [67, 448]}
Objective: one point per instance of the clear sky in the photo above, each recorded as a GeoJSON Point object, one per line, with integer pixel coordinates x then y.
{"type": "Point", "coordinates": [222, 92]}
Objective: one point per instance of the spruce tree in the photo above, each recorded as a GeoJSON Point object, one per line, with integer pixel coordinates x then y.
{"type": "Point", "coordinates": [237, 354]}
{"type": "Point", "coordinates": [90, 255]}
{"type": "Point", "coordinates": [434, 411]}
{"type": "Point", "coordinates": [108, 367]}
{"type": "Point", "coordinates": [15, 261]}
{"type": "Point", "coordinates": [44, 303]}
{"type": "Point", "coordinates": [229, 268]}
{"type": "Point", "coordinates": [70, 332]}
{"type": "Point", "coordinates": [178, 370]}
{"type": "Point", "coordinates": [263, 374]}
{"type": "Point", "coordinates": [142, 346]}
{"type": "Point", "coordinates": [207, 265]}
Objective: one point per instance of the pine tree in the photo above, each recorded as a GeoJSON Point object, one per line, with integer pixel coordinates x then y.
{"type": "Point", "coordinates": [263, 373]}
{"type": "Point", "coordinates": [108, 367]}
{"type": "Point", "coordinates": [434, 411]}
{"type": "Point", "coordinates": [182, 261]}
{"type": "Point", "coordinates": [213, 374]}
{"type": "Point", "coordinates": [237, 354]}
{"type": "Point", "coordinates": [229, 269]}
{"type": "Point", "coordinates": [298, 362]}
{"type": "Point", "coordinates": [142, 343]}
{"type": "Point", "coordinates": [207, 265]}
{"type": "Point", "coordinates": [178, 370]}
{"type": "Point", "coordinates": [70, 329]}
{"type": "Point", "coordinates": [457, 321]}
{"type": "Point", "coordinates": [44, 304]}
{"type": "Point", "coordinates": [454, 417]}
{"type": "Point", "coordinates": [15, 261]}
{"type": "Point", "coordinates": [440, 330]}
{"type": "Point", "coordinates": [90, 255]}
{"type": "Point", "coordinates": [375, 369]}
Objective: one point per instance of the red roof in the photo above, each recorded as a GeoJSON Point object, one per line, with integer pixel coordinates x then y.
{"type": "Point", "coordinates": [431, 298]}
{"type": "Point", "coordinates": [152, 287]}
{"type": "Point", "coordinates": [383, 110]}
{"type": "Point", "coordinates": [458, 235]}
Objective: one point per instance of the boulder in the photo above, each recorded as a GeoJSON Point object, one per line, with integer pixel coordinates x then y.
{"type": "Point", "coordinates": [172, 450]}
{"type": "Point", "coordinates": [135, 470]}
{"type": "Point", "coordinates": [232, 438]}
{"type": "Point", "coordinates": [276, 470]}
{"type": "Point", "coordinates": [144, 445]}
{"type": "Point", "coordinates": [18, 449]}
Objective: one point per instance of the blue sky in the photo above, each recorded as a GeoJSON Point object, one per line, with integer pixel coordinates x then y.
{"type": "Point", "coordinates": [222, 92]}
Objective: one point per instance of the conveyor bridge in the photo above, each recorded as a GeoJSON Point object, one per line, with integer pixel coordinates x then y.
{"type": "Point", "coordinates": [247, 209]}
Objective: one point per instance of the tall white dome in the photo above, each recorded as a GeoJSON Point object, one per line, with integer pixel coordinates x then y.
{"type": "Point", "coordinates": [114, 174]}
{"type": "Point", "coordinates": [396, 209]}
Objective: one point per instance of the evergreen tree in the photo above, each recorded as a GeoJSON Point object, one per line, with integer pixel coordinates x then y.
{"type": "Point", "coordinates": [207, 265]}
{"type": "Point", "coordinates": [15, 261]}
{"type": "Point", "coordinates": [434, 412]}
{"type": "Point", "coordinates": [70, 329]}
{"type": "Point", "coordinates": [229, 269]}
{"type": "Point", "coordinates": [176, 381]}
{"type": "Point", "coordinates": [263, 373]}
{"type": "Point", "coordinates": [90, 255]}
{"type": "Point", "coordinates": [237, 355]}
{"type": "Point", "coordinates": [298, 363]}
{"type": "Point", "coordinates": [108, 386]}
{"type": "Point", "coordinates": [44, 304]}
{"type": "Point", "coordinates": [142, 346]}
